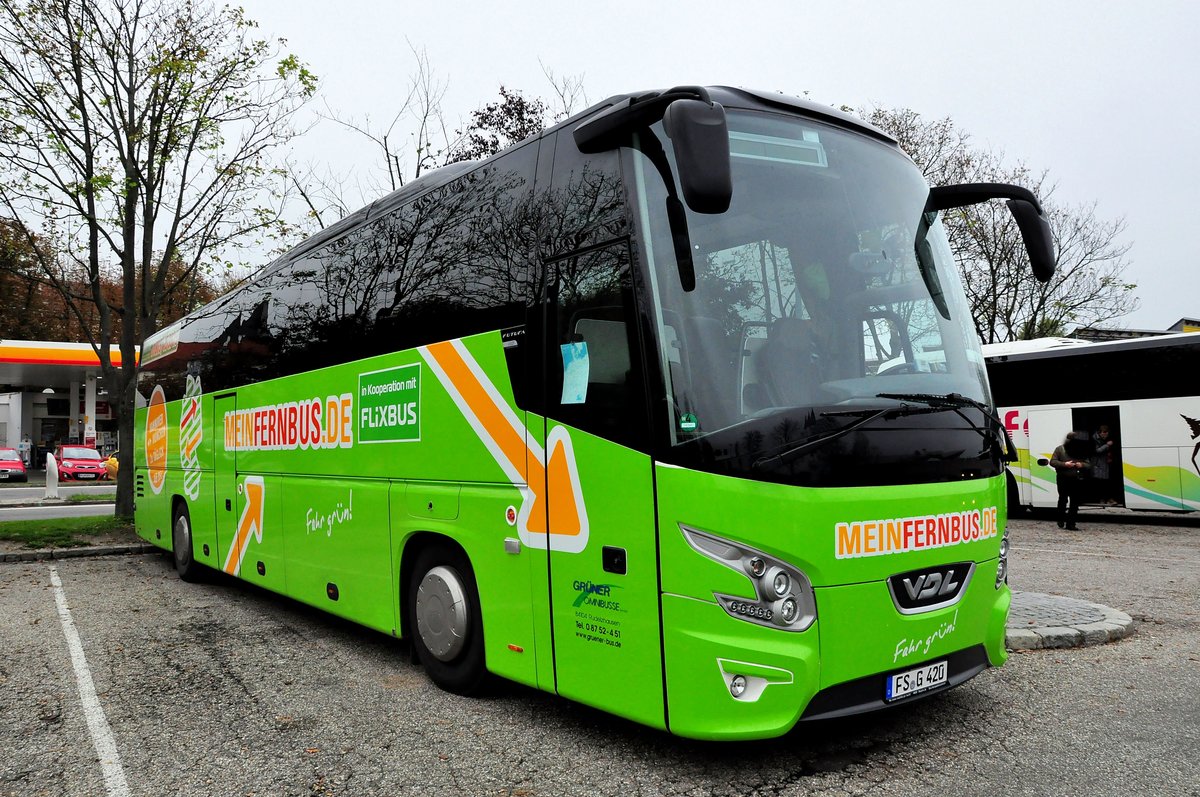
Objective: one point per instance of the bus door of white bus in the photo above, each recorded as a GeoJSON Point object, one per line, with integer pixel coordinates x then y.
{"type": "Point", "coordinates": [1153, 463]}
{"type": "Point", "coordinates": [1047, 430]}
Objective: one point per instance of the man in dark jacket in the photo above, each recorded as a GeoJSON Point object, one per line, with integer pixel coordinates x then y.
{"type": "Point", "coordinates": [1070, 463]}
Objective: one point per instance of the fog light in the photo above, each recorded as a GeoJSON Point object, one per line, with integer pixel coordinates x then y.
{"type": "Point", "coordinates": [788, 610]}
{"type": "Point", "coordinates": [1001, 572]}
{"type": "Point", "coordinates": [737, 685]}
{"type": "Point", "coordinates": [757, 567]}
{"type": "Point", "coordinates": [782, 583]}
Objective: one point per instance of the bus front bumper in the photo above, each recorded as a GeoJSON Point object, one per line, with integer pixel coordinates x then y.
{"type": "Point", "coordinates": [823, 672]}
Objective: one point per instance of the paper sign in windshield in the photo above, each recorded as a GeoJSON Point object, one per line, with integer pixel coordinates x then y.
{"type": "Point", "coordinates": [575, 372]}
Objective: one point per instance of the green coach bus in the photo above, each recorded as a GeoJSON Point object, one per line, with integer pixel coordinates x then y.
{"type": "Point", "coordinates": [675, 409]}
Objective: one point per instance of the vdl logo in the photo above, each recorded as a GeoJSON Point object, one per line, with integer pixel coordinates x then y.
{"type": "Point", "coordinates": [923, 590]}
{"type": "Point", "coordinates": [927, 585]}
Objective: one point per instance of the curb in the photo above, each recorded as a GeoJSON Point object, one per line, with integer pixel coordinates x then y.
{"type": "Point", "coordinates": [43, 554]}
{"type": "Point", "coordinates": [1043, 622]}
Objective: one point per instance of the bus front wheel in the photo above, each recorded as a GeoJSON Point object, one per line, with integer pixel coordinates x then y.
{"type": "Point", "coordinates": [445, 620]}
{"type": "Point", "coordinates": [181, 544]}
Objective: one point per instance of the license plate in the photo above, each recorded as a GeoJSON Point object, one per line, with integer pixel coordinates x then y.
{"type": "Point", "coordinates": [904, 684]}
{"type": "Point", "coordinates": [85, 475]}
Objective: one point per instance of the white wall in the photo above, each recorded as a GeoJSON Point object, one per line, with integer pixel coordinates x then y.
{"type": "Point", "coordinates": [10, 419]}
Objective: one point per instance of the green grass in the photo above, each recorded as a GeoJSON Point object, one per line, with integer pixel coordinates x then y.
{"type": "Point", "coordinates": [67, 532]}
{"type": "Point", "coordinates": [89, 498]}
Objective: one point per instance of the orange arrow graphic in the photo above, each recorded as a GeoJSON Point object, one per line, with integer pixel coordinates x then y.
{"type": "Point", "coordinates": [250, 523]}
{"type": "Point", "coordinates": [517, 452]}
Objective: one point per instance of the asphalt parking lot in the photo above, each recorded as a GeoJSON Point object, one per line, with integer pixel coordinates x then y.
{"type": "Point", "coordinates": [221, 689]}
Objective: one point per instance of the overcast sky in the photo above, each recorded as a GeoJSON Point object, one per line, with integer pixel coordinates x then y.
{"type": "Point", "coordinates": [1102, 94]}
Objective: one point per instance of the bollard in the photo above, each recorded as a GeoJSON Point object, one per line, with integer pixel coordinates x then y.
{"type": "Point", "coordinates": [51, 477]}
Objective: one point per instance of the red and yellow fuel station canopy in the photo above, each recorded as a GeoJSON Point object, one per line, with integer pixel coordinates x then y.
{"type": "Point", "coordinates": [38, 364]}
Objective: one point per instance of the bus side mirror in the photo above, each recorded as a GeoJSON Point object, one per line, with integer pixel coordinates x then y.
{"type": "Point", "coordinates": [1039, 240]}
{"type": "Point", "coordinates": [700, 138]}
{"type": "Point", "coordinates": [1026, 211]}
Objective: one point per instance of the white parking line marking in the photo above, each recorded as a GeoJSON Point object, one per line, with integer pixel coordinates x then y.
{"type": "Point", "coordinates": [102, 738]}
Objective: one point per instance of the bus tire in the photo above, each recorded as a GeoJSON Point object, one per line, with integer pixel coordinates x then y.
{"type": "Point", "coordinates": [181, 544]}
{"type": "Point", "coordinates": [445, 619]}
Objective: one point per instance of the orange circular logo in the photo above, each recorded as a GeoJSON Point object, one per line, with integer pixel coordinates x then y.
{"type": "Point", "coordinates": [156, 439]}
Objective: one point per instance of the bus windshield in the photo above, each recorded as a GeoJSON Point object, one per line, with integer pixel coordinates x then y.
{"type": "Point", "coordinates": [823, 286]}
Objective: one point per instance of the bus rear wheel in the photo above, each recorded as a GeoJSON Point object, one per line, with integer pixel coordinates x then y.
{"type": "Point", "coordinates": [181, 544]}
{"type": "Point", "coordinates": [445, 620]}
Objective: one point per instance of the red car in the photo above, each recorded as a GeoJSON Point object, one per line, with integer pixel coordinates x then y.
{"type": "Point", "coordinates": [79, 463]}
{"type": "Point", "coordinates": [11, 467]}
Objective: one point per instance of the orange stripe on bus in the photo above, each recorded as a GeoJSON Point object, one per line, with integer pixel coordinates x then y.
{"type": "Point", "coordinates": [509, 440]}
{"type": "Point", "coordinates": [556, 477]}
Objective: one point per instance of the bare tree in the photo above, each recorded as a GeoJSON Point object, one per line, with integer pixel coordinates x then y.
{"type": "Point", "coordinates": [134, 135]}
{"type": "Point", "coordinates": [569, 93]}
{"type": "Point", "coordinates": [417, 138]}
{"type": "Point", "coordinates": [941, 150]}
{"type": "Point", "coordinates": [1007, 302]}
{"type": "Point", "coordinates": [414, 140]}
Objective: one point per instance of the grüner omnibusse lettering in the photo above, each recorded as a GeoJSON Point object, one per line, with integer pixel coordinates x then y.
{"type": "Point", "coordinates": [309, 424]}
{"type": "Point", "coordinates": [899, 535]}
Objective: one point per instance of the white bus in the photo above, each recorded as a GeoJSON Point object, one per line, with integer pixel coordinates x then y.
{"type": "Point", "coordinates": [1146, 392]}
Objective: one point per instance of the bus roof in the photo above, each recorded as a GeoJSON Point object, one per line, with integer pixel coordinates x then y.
{"type": "Point", "coordinates": [1049, 348]}
{"type": "Point", "coordinates": [1026, 346]}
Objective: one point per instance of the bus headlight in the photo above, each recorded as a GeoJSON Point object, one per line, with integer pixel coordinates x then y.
{"type": "Point", "coordinates": [788, 610]}
{"type": "Point", "coordinates": [783, 595]}
{"type": "Point", "coordinates": [782, 583]}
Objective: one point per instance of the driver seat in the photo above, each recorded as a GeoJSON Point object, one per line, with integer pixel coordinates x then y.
{"type": "Point", "coordinates": [790, 363]}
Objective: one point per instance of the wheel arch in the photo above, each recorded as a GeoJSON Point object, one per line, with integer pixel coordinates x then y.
{"type": "Point", "coordinates": [413, 545]}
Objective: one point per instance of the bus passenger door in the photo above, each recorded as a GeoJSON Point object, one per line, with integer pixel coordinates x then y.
{"type": "Point", "coordinates": [600, 492]}
{"type": "Point", "coordinates": [1047, 431]}
{"type": "Point", "coordinates": [224, 481]}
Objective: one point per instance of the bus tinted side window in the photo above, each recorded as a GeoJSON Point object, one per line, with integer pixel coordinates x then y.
{"type": "Point", "coordinates": [585, 205]}
{"type": "Point", "coordinates": [593, 377]}
{"type": "Point", "coordinates": [1078, 376]}
{"type": "Point", "coordinates": [458, 260]}
{"type": "Point", "coordinates": [224, 344]}
{"type": "Point", "coordinates": [455, 261]}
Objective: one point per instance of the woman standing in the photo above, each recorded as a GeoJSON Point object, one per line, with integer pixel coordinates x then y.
{"type": "Point", "coordinates": [1069, 464]}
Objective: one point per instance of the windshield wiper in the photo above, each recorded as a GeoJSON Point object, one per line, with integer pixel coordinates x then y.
{"type": "Point", "coordinates": [955, 402]}
{"type": "Point", "coordinates": [865, 417]}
